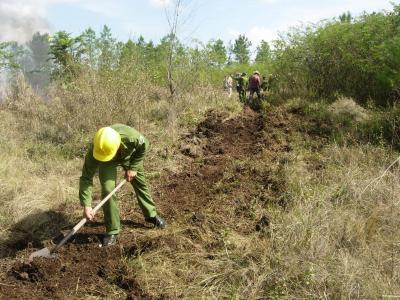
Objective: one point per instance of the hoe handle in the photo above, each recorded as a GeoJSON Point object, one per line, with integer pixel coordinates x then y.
{"type": "Point", "coordinates": [108, 196]}
{"type": "Point", "coordinates": [84, 220]}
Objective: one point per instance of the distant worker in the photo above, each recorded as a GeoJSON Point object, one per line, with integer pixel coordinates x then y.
{"type": "Point", "coordinates": [264, 84]}
{"type": "Point", "coordinates": [117, 145]}
{"type": "Point", "coordinates": [241, 87]}
{"type": "Point", "coordinates": [255, 85]}
{"type": "Point", "coordinates": [228, 83]}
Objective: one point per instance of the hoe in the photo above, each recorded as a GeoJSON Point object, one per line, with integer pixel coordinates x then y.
{"type": "Point", "coordinates": [50, 253]}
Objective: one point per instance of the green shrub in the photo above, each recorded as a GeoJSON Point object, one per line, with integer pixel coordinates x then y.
{"type": "Point", "coordinates": [358, 59]}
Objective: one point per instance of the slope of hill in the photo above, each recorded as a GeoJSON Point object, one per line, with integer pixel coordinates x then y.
{"type": "Point", "coordinates": [260, 207]}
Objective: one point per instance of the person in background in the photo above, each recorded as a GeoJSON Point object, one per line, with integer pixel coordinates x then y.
{"type": "Point", "coordinates": [241, 87]}
{"type": "Point", "coordinates": [228, 85]}
{"type": "Point", "coordinates": [264, 84]}
{"type": "Point", "coordinates": [255, 85]}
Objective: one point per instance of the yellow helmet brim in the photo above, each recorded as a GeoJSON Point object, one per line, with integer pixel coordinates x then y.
{"type": "Point", "coordinates": [101, 157]}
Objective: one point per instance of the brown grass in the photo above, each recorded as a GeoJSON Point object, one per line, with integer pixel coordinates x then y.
{"type": "Point", "coordinates": [331, 240]}
{"type": "Point", "coordinates": [43, 140]}
{"type": "Point", "coordinates": [331, 243]}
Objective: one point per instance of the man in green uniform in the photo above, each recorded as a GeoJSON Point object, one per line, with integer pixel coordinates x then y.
{"type": "Point", "coordinates": [264, 84]}
{"type": "Point", "coordinates": [113, 146]}
{"type": "Point", "coordinates": [241, 86]}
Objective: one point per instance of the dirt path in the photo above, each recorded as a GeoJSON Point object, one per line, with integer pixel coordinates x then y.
{"type": "Point", "coordinates": [216, 141]}
{"type": "Point", "coordinates": [84, 269]}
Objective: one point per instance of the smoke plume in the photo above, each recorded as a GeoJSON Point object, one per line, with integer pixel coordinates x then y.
{"type": "Point", "coordinates": [20, 19]}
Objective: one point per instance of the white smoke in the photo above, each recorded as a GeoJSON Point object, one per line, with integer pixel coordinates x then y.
{"type": "Point", "coordinates": [20, 19]}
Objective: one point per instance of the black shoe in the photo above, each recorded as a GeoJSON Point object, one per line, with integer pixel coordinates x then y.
{"type": "Point", "coordinates": [110, 239]}
{"type": "Point", "coordinates": [157, 221]}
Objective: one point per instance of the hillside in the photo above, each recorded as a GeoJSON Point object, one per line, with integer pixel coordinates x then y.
{"type": "Point", "coordinates": [259, 206]}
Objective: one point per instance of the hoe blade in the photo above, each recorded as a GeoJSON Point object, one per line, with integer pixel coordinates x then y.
{"type": "Point", "coordinates": [45, 252]}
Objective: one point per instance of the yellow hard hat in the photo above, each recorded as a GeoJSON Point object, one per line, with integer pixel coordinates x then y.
{"type": "Point", "coordinates": [105, 144]}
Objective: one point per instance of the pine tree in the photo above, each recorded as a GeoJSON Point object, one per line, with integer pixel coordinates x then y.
{"type": "Point", "coordinates": [263, 53]}
{"type": "Point", "coordinates": [241, 50]}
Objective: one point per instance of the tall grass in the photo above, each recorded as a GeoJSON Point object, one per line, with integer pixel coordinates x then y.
{"type": "Point", "coordinates": [93, 100]}
{"type": "Point", "coordinates": [335, 239]}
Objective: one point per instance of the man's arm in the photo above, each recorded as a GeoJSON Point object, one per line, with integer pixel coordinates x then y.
{"type": "Point", "coordinates": [141, 146]}
{"type": "Point", "coordinates": [138, 157]}
{"type": "Point", "coordinates": [135, 160]}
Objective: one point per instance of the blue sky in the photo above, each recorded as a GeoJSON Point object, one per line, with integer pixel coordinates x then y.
{"type": "Point", "coordinates": [257, 19]}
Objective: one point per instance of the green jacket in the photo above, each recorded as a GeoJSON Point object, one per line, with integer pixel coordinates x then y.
{"type": "Point", "coordinates": [131, 153]}
{"type": "Point", "coordinates": [242, 82]}
{"type": "Point", "coordinates": [264, 85]}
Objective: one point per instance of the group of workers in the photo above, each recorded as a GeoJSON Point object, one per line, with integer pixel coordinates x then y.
{"type": "Point", "coordinates": [254, 84]}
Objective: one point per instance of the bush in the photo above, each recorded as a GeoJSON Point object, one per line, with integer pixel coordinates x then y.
{"type": "Point", "coordinates": [358, 58]}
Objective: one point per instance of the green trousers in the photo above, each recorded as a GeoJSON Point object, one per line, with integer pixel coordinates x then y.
{"type": "Point", "coordinates": [107, 176]}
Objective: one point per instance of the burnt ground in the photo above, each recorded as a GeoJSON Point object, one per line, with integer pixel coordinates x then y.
{"type": "Point", "coordinates": [212, 169]}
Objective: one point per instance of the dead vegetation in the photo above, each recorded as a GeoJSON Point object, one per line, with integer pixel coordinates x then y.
{"type": "Point", "coordinates": [259, 207]}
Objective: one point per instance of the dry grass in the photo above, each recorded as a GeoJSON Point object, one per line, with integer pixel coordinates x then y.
{"type": "Point", "coordinates": [29, 187]}
{"type": "Point", "coordinates": [74, 111]}
{"type": "Point", "coordinates": [347, 107]}
{"type": "Point", "coordinates": [349, 239]}
{"type": "Point", "coordinates": [43, 141]}
{"type": "Point", "coordinates": [333, 240]}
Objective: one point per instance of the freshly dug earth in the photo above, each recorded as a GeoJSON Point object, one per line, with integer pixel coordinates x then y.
{"type": "Point", "coordinates": [84, 269]}
{"type": "Point", "coordinates": [81, 268]}
{"type": "Point", "coordinates": [216, 142]}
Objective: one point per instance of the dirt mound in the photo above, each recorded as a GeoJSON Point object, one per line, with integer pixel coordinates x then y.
{"type": "Point", "coordinates": [216, 177]}
{"type": "Point", "coordinates": [81, 269]}
{"type": "Point", "coordinates": [212, 168]}
{"type": "Point", "coordinates": [219, 140]}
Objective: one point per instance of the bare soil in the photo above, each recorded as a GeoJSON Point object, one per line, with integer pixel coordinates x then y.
{"type": "Point", "coordinates": [84, 269]}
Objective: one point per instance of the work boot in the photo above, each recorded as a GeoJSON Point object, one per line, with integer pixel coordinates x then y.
{"type": "Point", "coordinates": [157, 221]}
{"type": "Point", "coordinates": [110, 239]}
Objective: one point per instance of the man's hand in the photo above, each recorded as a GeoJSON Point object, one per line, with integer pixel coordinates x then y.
{"type": "Point", "coordinates": [88, 213]}
{"type": "Point", "coordinates": [130, 175]}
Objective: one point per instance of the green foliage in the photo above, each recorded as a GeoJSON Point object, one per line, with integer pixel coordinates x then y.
{"type": "Point", "coordinates": [345, 122]}
{"type": "Point", "coordinates": [108, 48]}
{"type": "Point", "coordinates": [91, 52]}
{"type": "Point", "coordinates": [358, 58]}
{"type": "Point", "coordinates": [66, 52]}
{"type": "Point", "coordinates": [264, 53]}
{"type": "Point", "coordinates": [240, 49]}
{"type": "Point", "coordinates": [383, 127]}
{"type": "Point", "coordinates": [355, 57]}
{"type": "Point", "coordinates": [345, 17]}
{"type": "Point", "coordinates": [216, 53]}
{"type": "Point", "coordinates": [8, 56]}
